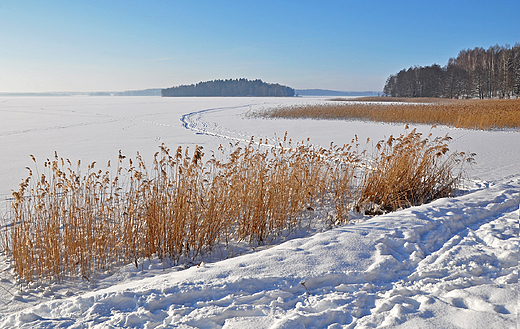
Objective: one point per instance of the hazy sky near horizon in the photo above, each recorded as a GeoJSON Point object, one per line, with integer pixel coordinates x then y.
{"type": "Point", "coordinates": [342, 45]}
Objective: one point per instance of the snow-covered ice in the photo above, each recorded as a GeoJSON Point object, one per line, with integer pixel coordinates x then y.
{"type": "Point", "coordinates": [452, 263]}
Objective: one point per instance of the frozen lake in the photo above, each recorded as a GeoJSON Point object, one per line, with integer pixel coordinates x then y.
{"type": "Point", "coordinates": [451, 263]}
{"type": "Point", "coordinates": [95, 128]}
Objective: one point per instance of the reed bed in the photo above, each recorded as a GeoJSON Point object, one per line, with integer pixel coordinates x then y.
{"type": "Point", "coordinates": [69, 224]}
{"type": "Point", "coordinates": [469, 114]}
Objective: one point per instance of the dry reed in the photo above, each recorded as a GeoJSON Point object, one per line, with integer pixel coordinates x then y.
{"type": "Point", "coordinates": [69, 224]}
{"type": "Point", "coordinates": [470, 114]}
{"type": "Point", "coordinates": [410, 170]}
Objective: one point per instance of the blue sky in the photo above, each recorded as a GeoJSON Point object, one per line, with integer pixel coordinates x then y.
{"type": "Point", "coordinates": [341, 45]}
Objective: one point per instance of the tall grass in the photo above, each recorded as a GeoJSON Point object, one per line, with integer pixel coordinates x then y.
{"type": "Point", "coordinates": [470, 114]}
{"type": "Point", "coordinates": [410, 170]}
{"type": "Point", "coordinates": [73, 224]}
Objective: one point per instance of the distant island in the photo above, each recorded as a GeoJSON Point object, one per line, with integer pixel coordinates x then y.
{"type": "Point", "coordinates": [145, 92]}
{"type": "Point", "coordinates": [230, 88]}
{"type": "Point", "coordinates": [326, 92]}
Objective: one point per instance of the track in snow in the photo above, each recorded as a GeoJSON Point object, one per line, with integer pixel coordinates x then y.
{"type": "Point", "coordinates": [195, 122]}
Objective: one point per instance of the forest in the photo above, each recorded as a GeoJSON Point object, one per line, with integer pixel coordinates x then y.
{"type": "Point", "coordinates": [474, 73]}
{"type": "Point", "coordinates": [230, 87]}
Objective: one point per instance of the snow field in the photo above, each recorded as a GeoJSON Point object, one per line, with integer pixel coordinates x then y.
{"type": "Point", "coordinates": [449, 264]}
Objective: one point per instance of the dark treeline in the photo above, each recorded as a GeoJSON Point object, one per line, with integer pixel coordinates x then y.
{"type": "Point", "coordinates": [475, 73]}
{"type": "Point", "coordinates": [230, 87]}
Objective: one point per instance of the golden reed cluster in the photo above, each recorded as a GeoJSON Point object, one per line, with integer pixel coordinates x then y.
{"type": "Point", "coordinates": [469, 114]}
{"type": "Point", "coordinates": [68, 224]}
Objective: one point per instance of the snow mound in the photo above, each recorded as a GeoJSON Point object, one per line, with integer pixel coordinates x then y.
{"type": "Point", "coordinates": [452, 263]}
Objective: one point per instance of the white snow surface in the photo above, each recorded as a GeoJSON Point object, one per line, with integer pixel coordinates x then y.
{"type": "Point", "coordinates": [452, 263]}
